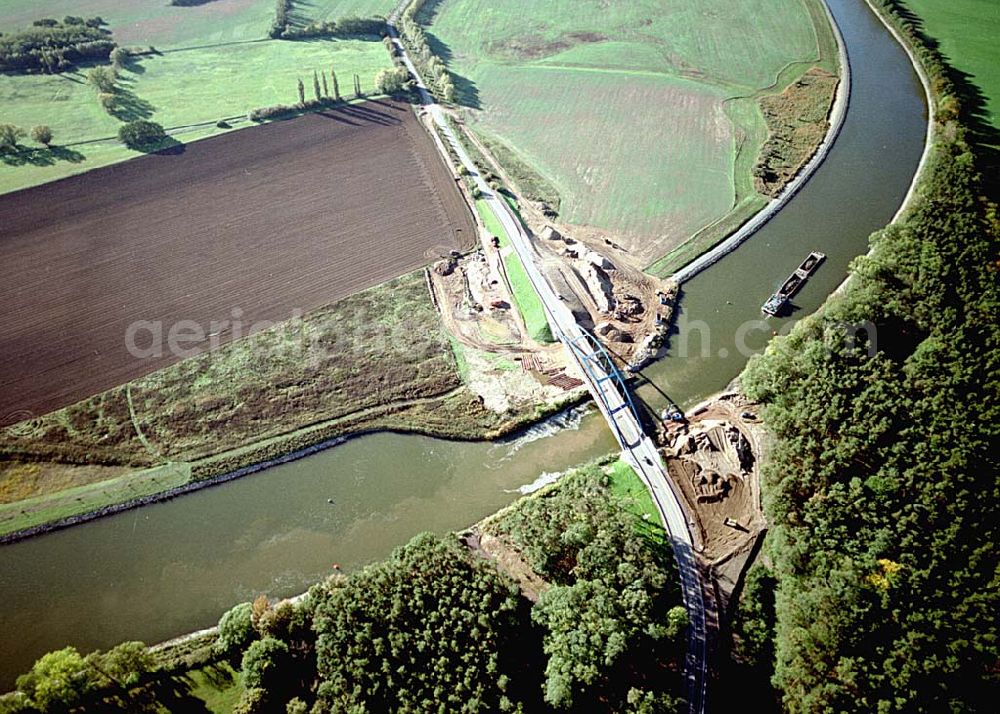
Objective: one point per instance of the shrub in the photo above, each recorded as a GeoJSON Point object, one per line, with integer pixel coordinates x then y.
{"type": "Point", "coordinates": [272, 112]}
{"type": "Point", "coordinates": [53, 47]}
{"type": "Point", "coordinates": [118, 57]}
{"type": "Point", "coordinates": [265, 663]}
{"type": "Point", "coordinates": [141, 133]}
{"type": "Point", "coordinates": [392, 81]}
{"type": "Point", "coordinates": [41, 134]}
{"type": "Point", "coordinates": [102, 78]}
{"type": "Point", "coordinates": [9, 136]}
{"type": "Point", "coordinates": [254, 700]}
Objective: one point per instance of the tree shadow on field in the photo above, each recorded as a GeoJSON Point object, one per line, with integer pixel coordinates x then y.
{"type": "Point", "coordinates": [133, 64]}
{"type": "Point", "coordinates": [168, 146]}
{"type": "Point", "coordinates": [129, 106]}
{"type": "Point", "coordinates": [399, 109]}
{"type": "Point", "coordinates": [359, 115]}
{"type": "Point", "coordinates": [466, 92]}
{"type": "Point", "coordinates": [39, 156]}
{"type": "Point", "coordinates": [174, 695]}
{"type": "Point", "coordinates": [298, 16]}
{"type": "Point", "coordinates": [973, 112]}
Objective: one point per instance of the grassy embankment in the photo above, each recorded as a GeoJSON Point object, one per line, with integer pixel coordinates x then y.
{"type": "Point", "coordinates": [377, 360]}
{"type": "Point", "coordinates": [566, 92]}
{"type": "Point", "coordinates": [526, 299]}
{"type": "Point", "coordinates": [213, 66]}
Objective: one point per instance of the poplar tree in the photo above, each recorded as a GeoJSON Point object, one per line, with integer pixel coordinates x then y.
{"type": "Point", "coordinates": [357, 86]}
{"type": "Point", "coordinates": [302, 93]}
{"type": "Point", "coordinates": [316, 89]}
{"type": "Point", "coordinates": [336, 85]}
{"type": "Point", "coordinates": [326, 87]}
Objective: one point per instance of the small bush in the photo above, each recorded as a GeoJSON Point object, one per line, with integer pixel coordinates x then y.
{"type": "Point", "coordinates": [141, 133]}
{"type": "Point", "coordinates": [273, 112]}
{"type": "Point", "coordinates": [392, 81]}
{"type": "Point", "coordinates": [10, 135]}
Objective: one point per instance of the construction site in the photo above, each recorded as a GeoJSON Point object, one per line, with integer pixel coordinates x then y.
{"type": "Point", "coordinates": [713, 457]}
{"type": "Point", "coordinates": [627, 309]}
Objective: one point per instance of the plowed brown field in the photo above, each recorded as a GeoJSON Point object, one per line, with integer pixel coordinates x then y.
{"type": "Point", "coordinates": [266, 221]}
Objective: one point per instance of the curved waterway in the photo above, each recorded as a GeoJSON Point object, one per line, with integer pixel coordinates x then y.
{"type": "Point", "coordinates": [169, 568]}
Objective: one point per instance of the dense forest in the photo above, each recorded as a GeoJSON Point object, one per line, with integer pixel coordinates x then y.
{"type": "Point", "coordinates": [55, 46]}
{"type": "Point", "coordinates": [435, 627]}
{"type": "Point", "coordinates": [880, 591]}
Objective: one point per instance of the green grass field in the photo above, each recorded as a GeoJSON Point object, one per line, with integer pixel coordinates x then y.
{"type": "Point", "coordinates": [969, 33]}
{"type": "Point", "coordinates": [626, 108]}
{"type": "Point", "coordinates": [231, 80]}
{"type": "Point", "coordinates": [153, 22]}
{"type": "Point", "coordinates": [157, 23]}
{"type": "Point", "coordinates": [218, 685]}
{"type": "Point", "coordinates": [216, 63]}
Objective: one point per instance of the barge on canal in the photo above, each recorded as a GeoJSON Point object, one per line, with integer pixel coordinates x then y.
{"type": "Point", "coordinates": [779, 300]}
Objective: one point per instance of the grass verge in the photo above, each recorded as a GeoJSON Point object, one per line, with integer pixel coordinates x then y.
{"type": "Point", "coordinates": [525, 298]}
{"type": "Point", "coordinates": [626, 485]}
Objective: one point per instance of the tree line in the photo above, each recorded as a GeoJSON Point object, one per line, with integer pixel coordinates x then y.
{"type": "Point", "coordinates": [282, 27]}
{"type": "Point", "coordinates": [55, 46]}
{"type": "Point", "coordinates": [881, 487]}
{"type": "Point", "coordinates": [435, 72]}
{"type": "Point", "coordinates": [105, 79]}
{"type": "Point", "coordinates": [325, 91]}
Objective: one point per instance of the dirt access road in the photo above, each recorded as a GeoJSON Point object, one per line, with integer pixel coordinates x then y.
{"type": "Point", "coordinates": [287, 216]}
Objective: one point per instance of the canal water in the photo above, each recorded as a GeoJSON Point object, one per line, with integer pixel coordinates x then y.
{"type": "Point", "coordinates": [159, 571]}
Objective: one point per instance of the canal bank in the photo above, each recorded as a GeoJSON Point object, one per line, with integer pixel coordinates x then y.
{"type": "Point", "coordinates": [173, 567]}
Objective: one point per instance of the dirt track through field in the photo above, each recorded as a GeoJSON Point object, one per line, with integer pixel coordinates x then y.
{"type": "Point", "coordinates": [286, 216]}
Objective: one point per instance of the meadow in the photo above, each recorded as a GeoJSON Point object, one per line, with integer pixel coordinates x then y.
{"type": "Point", "coordinates": [157, 23]}
{"type": "Point", "coordinates": [214, 64]}
{"type": "Point", "coordinates": [637, 113]}
{"type": "Point", "coordinates": [968, 32]}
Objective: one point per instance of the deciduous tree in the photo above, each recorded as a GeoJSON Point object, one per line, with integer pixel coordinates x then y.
{"type": "Point", "coordinates": [58, 681]}
{"type": "Point", "coordinates": [42, 134]}
{"type": "Point", "coordinates": [265, 664]}
{"type": "Point", "coordinates": [102, 78]}
{"type": "Point", "coordinates": [10, 135]}
{"type": "Point", "coordinates": [392, 81]}
{"type": "Point", "coordinates": [141, 133]}
{"type": "Point", "coordinates": [235, 630]}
